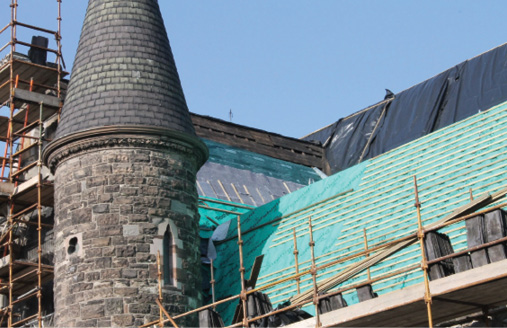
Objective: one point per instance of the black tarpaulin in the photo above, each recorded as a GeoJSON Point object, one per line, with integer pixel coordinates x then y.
{"type": "Point", "coordinates": [351, 133]}
{"type": "Point", "coordinates": [472, 86]}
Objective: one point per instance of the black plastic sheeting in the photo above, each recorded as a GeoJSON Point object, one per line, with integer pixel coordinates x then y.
{"type": "Point", "coordinates": [462, 91]}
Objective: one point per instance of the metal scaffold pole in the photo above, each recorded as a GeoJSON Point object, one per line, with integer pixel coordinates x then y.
{"type": "Point", "coordinates": [367, 254]}
{"type": "Point", "coordinates": [59, 57]}
{"type": "Point", "coordinates": [39, 220]}
{"type": "Point", "coordinates": [24, 138]}
{"type": "Point", "coordinates": [242, 273]}
{"type": "Point", "coordinates": [212, 281]}
{"type": "Point", "coordinates": [159, 276]}
{"type": "Point", "coordinates": [314, 275]}
{"type": "Point", "coordinates": [9, 145]}
{"type": "Point", "coordinates": [370, 252]}
{"type": "Point", "coordinates": [159, 300]}
{"type": "Point", "coordinates": [424, 262]}
{"type": "Point", "coordinates": [296, 260]}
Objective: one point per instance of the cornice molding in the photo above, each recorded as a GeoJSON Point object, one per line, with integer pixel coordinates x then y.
{"type": "Point", "coordinates": [148, 137]}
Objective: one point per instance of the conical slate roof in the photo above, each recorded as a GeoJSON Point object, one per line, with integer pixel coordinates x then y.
{"type": "Point", "coordinates": [124, 72]}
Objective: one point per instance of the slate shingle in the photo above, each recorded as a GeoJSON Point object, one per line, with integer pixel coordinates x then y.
{"type": "Point", "coordinates": [124, 71]}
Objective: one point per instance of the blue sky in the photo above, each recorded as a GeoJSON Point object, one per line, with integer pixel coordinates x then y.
{"type": "Point", "coordinates": [295, 66]}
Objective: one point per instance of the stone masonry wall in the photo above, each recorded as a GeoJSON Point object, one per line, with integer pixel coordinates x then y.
{"type": "Point", "coordinates": [111, 209]}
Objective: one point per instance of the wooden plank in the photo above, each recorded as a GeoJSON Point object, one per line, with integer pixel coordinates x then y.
{"type": "Point", "coordinates": [24, 96]}
{"type": "Point", "coordinates": [30, 283]}
{"type": "Point", "coordinates": [26, 193]}
{"type": "Point", "coordinates": [405, 307]}
{"type": "Point", "coordinates": [264, 150]}
{"type": "Point", "coordinates": [258, 138]}
{"type": "Point", "coordinates": [262, 142]}
{"type": "Point", "coordinates": [296, 144]}
{"type": "Point", "coordinates": [24, 320]}
{"type": "Point", "coordinates": [288, 156]}
{"type": "Point", "coordinates": [251, 133]}
{"type": "Point", "coordinates": [6, 188]}
{"type": "Point", "coordinates": [33, 115]}
{"type": "Point", "coordinates": [42, 75]}
{"type": "Point", "coordinates": [4, 77]}
{"type": "Point", "coordinates": [262, 138]}
{"type": "Point", "coordinates": [4, 125]}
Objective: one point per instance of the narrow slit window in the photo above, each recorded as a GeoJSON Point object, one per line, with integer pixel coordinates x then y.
{"type": "Point", "coordinates": [168, 252]}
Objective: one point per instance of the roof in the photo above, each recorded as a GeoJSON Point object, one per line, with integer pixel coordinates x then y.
{"type": "Point", "coordinates": [376, 195]}
{"type": "Point", "coordinates": [244, 177]}
{"type": "Point", "coordinates": [124, 72]}
{"type": "Point", "coordinates": [472, 86]}
{"type": "Point", "coordinates": [214, 212]}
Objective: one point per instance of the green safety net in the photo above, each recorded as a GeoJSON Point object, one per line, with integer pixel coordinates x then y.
{"type": "Point", "coordinates": [376, 195]}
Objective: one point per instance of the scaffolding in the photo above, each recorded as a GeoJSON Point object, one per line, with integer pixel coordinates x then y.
{"type": "Point", "coordinates": [32, 92]}
{"type": "Point", "coordinates": [420, 309]}
{"type": "Point", "coordinates": [30, 97]}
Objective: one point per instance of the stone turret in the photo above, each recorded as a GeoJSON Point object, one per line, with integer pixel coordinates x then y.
{"type": "Point", "coordinates": [125, 159]}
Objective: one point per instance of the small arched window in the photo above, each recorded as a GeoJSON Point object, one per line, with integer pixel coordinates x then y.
{"type": "Point", "coordinates": [169, 255]}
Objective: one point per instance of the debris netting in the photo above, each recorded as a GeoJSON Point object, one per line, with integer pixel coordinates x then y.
{"type": "Point", "coordinates": [462, 91]}
{"type": "Point", "coordinates": [373, 199]}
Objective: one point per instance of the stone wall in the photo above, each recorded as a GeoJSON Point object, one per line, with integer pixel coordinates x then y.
{"type": "Point", "coordinates": [112, 207]}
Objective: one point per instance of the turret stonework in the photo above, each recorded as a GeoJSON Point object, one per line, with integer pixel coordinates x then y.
{"type": "Point", "coordinates": [125, 161]}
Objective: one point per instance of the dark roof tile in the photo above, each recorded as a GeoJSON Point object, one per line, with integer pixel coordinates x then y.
{"type": "Point", "coordinates": [124, 72]}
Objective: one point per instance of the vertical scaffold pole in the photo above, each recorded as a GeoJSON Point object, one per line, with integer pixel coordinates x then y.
{"type": "Point", "coordinates": [212, 282]}
{"type": "Point", "coordinates": [159, 276]}
{"type": "Point", "coordinates": [39, 221]}
{"type": "Point", "coordinates": [14, 15]}
{"type": "Point", "coordinates": [9, 144]}
{"type": "Point", "coordinates": [296, 260]}
{"type": "Point", "coordinates": [424, 263]}
{"type": "Point", "coordinates": [367, 253]}
{"type": "Point", "coordinates": [161, 308]}
{"type": "Point", "coordinates": [314, 275]}
{"type": "Point", "coordinates": [242, 273]}
{"type": "Point", "coordinates": [59, 58]}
